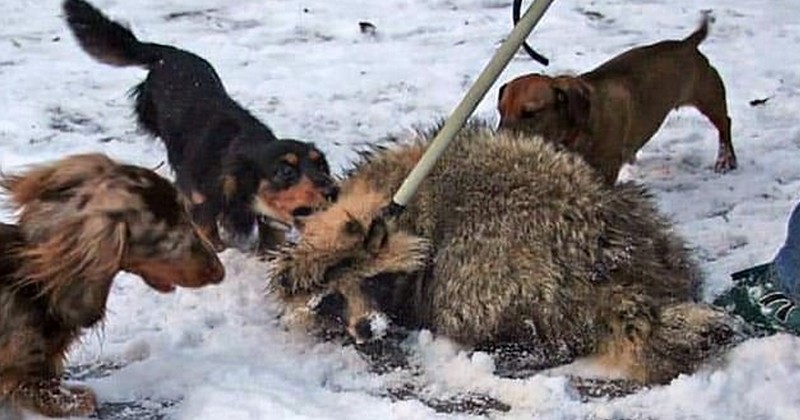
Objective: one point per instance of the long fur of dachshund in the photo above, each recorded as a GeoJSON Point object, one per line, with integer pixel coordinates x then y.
{"type": "Point", "coordinates": [82, 220]}
{"type": "Point", "coordinates": [228, 164]}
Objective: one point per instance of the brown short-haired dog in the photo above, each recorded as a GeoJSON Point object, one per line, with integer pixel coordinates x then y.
{"type": "Point", "coordinates": [81, 221]}
{"type": "Point", "coordinates": [609, 113]}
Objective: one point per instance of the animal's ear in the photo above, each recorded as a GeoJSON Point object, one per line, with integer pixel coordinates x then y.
{"type": "Point", "coordinates": [377, 236]}
{"type": "Point", "coordinates": [86, 254]}
{"type": "Point", "coordinates": [573, 97]}
{"type": "Point", "coordinates": [353, 227]}
{"type": "Point", "coordinates": [56, 181]}
{"type": "Point", "coordinates": [26, 187]}
{"type": "Point", "coordinates": [501, 92]}
{"type": "Point", "coordinates": [500, 107]}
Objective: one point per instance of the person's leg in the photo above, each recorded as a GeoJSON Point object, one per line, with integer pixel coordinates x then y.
{"type": "Point", "coordinates": [787, 262]}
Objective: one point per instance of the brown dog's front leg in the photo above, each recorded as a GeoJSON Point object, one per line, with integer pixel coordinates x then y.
{"type": "Point", "coordinates": [52, 398]}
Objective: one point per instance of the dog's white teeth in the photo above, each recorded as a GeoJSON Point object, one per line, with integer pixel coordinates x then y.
{"type": "Point", "coordinates": [275, 224]}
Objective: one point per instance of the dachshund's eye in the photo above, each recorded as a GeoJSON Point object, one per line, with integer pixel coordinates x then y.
{"type": "Point", "coordinates": [286, 173]}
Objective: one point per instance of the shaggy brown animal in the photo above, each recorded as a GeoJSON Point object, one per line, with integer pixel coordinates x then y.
{"type": "Point", "coordinates": [508, 240]}
{"type": "Point", "coordinates": [82, 220]}
{"type": "Point", "coordinates": [609, 113]}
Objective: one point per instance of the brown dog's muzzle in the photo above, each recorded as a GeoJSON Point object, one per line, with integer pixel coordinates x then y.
{"type": "Point", "coordinates": [200, 268]}
{"type": "Point", "coordinates": [300, 200]}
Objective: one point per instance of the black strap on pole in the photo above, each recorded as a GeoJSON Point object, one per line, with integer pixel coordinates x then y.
{"type": "Point", "coordinates": [461, 113]}
{"type": "Point", "coordinates": [515, 13]}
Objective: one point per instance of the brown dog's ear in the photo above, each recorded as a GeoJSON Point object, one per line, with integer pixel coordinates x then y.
{"type": "Point", "coordinates": [573, 96]}
{"type": "Point", "coordinates": [500, 93]}
{"type": "Point", "coordinates": [500, 104]}
{"type": "Point", "coordinates": [377, 236]}
{"type": "Point", "coordinates": [352, 226]}
{"type": "Point", "coordinates": [55, 181]}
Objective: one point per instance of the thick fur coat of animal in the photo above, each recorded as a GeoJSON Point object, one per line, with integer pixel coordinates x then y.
{"type": "Point", "coordinates": [508, 240]}
{"type": "Point", "coordinates": [609, 113]}
{"type": "Point", "coordinates": [82, 220]}
{"type": "Point", "coordinates": [228, 164]}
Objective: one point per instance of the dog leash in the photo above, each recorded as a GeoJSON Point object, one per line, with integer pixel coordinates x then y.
{"type": "Point", "coordinates": [515, 11]}
{"type": "Point", "coordinates": [459, 117]}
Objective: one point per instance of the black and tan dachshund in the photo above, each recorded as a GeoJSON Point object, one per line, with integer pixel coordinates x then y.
{"type": "Point", "coordinates": [229, 166]}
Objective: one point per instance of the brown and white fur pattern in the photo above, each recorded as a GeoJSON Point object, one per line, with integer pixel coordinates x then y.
{"type": "Point", "coordinates": [82, 220]}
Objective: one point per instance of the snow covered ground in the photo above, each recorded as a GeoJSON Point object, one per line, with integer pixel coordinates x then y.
{"type": "Point", "coordinates": [306, 69]}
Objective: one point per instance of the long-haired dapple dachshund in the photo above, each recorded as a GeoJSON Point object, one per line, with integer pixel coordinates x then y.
{"type": "Point", "coordinates": [82, 220]}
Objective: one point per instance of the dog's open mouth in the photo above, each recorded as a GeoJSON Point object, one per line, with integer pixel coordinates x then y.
{"type": "Point", "coordinates": [276, 220]}
{"type": "Point", "coordinates": [302, 212]}
{"type": "Point", "coordinates": [270, 216]}
{"type": "Point", "coordinates": [159, 285]}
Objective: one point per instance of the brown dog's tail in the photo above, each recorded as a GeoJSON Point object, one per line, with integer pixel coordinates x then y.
{"type": "Point", "coordinates": [700, 33]}
{"type": "Point", "coordinates": [107, 41]}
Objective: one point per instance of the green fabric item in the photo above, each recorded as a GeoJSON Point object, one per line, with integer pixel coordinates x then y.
{"type": "Point", "coordinates": [756, 299]}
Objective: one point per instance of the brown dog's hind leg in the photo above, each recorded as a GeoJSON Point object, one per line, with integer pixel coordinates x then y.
{"type": "Point", "coordinates": [53, 399]}
{"type": "Point", "coordinates": [709, 99]}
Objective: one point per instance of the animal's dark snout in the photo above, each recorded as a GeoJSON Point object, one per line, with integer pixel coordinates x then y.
{"type": "Point", "coordinates": [363, 330]}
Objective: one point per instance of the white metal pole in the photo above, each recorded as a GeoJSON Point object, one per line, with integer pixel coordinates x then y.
{"type": "Point", "coordinates": [467, 105]}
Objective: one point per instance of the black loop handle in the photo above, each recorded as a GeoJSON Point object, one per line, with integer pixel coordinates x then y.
{"type": "Point", "coordinates": [515, 14]}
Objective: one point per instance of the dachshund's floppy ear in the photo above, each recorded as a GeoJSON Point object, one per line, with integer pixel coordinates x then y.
{"type": "Point", "coordinates": [500, 107]}
{"type": "Point", "coordinates": [573, 96]}
{"type": "Point", "coordinates": [54, 182]}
